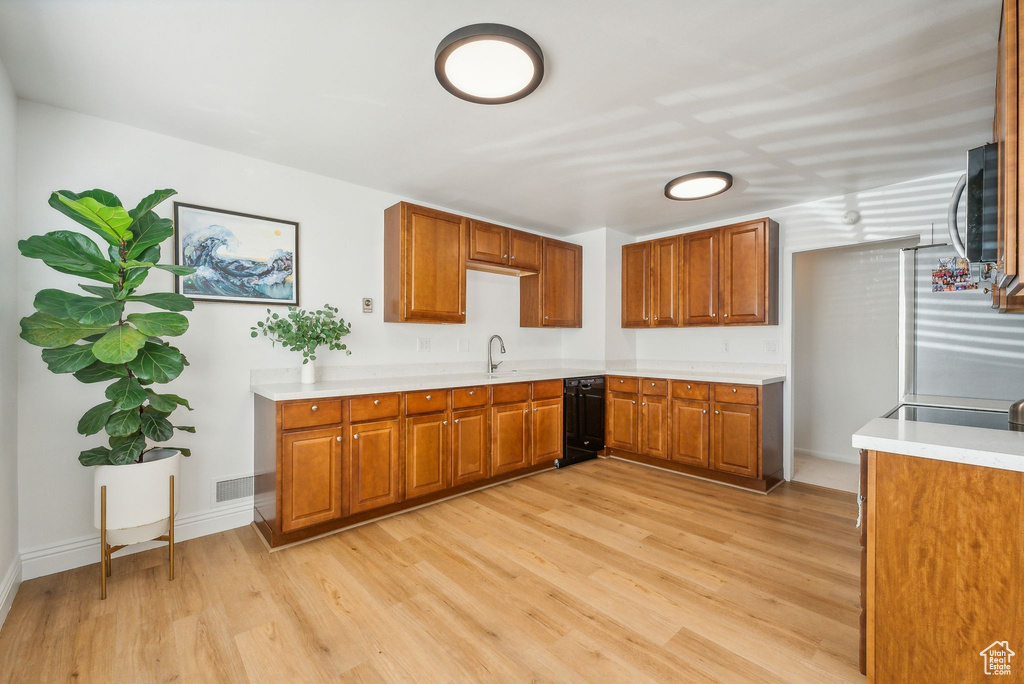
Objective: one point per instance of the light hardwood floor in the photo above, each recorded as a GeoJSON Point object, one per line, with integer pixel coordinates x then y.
{"type": "Point", "coordinates": [605, 571]}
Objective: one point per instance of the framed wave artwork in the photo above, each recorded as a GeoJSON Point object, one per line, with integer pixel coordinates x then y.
{"type": "Point", "coordinates": [238, 257]}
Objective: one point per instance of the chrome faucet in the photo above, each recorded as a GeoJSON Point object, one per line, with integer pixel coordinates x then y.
{"type": "Point", "coordinates": [491, 366]}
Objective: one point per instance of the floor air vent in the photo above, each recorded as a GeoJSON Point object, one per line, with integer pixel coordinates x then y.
{"type": "Point", "coordinates": [229, 490]}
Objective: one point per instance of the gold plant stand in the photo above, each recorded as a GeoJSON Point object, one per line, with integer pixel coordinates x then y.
{"type": "Point", "coordinates": [106, 550]}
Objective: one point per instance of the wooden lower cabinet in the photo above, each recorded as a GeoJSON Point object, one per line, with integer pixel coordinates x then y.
{"type": "Point", "coordinates": [469, 446]}
{"type": "Point", "coordinates": [426, 454]}
{"type": "Point", "coordinates": [620, 415]}
{"type": "Point", "coordinates": [691, 432]}
{"type": "Point", "coordinates": [311, 477]}
{"type": "Point", "coordinates": [373, 465]}
{"type": "Point", "coordinates": [735, 439]}
{"type": "Point", "coordinates": [546, 430]}
{"type": "Point", "coordinates": [654, 426]}
{"type": "Point", "coordinates": [510, 437]}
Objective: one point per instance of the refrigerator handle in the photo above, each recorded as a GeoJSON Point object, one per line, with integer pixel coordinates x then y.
{"type": "Point", "coordinates": [954, 202]}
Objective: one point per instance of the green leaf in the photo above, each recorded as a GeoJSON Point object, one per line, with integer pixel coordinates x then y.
{"type": "Point", "coordinates": [99, 291]}
{"type": "Point", "coordinates": [136, 276]}
{"type": "Point", "coordinates": [123, 423]}
{"type": "Point", "coordinates": [151, 201]}
{"type": "Point", "coordinates": [159, 324]}
{"type": "Point", "coordinates": [121, 344]}
{"type": "Point", "coordinates": [132, 264]}
{"type": "Point", "coordinates": [126, 450]}
{"type": "Point", "coordinates": [176, 270]}
{"type": "Point", "coordinates": [148, 229]}
{"type": "Point", "coordinates": [68, 359]}
{"type": "Point", "coordinates": [157, 362]}
{"type": "Point", "coordinates": [95, 456]}
{"type": "Point", "coordinates": [184, 452]}
{"type": "Point", "coordinates": [46, 330]}
{"type": "Point", "coordinates": [165, 300]}
{"type": "Point", "coordinates": [97, 210]}
{"type": "Point", "coordinates": [126, 393]}
{"type": "Point", "coordinates": [161, 403]}
{"type": "Point", "coordinates": [101, 372]}
{"type": "Point", "coordinates": [71, 253]}
{"type": "Point", "coordinates": [95, 418]}
{"type": "Point", "coordinates": [156, 427]}
{"type": "Point", "coordinates": [82, 309]}
{"type": "Point", "coordinates": [185, 428]}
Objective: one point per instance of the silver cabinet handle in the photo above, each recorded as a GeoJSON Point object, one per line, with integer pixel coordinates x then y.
{"type": "Point", "coordinates": [713, 314]}
{"type": "Point", "coordinates": [704, 411]}
{"type": "Point", "coordinates": [504, 256]}
{"type": "Point", "coordinates": [314, 407]}
{"type": "Point", "coordinates": [716, 413]}
{"type": "Point", "coordinates": [726, 315]}
{"type": "Point", "coordinates": [376, 402]}
{"type": "Point", "coordinates": [472, 392]}
{"type": "Point", "coordinates": [513, 256]}
{"type": "Point", "coordinates": [687, 387]}
{"type": "Point", "coordinates": [646, 318]}
{"type": "Point", "coordinates": [463, 313]}
{"type": "Point", "coordinates": [586, 441]}
{"type": "Point", "coordinates": [643, 403]}
{"type": "Point", "coordinates": [652, 384]}
{"type": "Point", "coordinates": [634, 401]}
{"type": "Point", "coordinates": [534, 410]}
{"type": "Point", "coordinates": [456, 421]}
{"type": "Point", "coordinates": [655, 318]}
{"type": "Point", "coordinates": [621, 381]}
{"type": "Point", "coordinates": [338, 438]}
{"type": "Point", "coordinates": [428, 397]}
{"type": "Point", "coordinates": [734, 390]}
{"type": "Point", "coordinates": [355, 436]}
{"type": "Point", "coordinates": [445, 422]}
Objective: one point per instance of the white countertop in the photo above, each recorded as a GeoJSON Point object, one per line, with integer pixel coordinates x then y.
{"type": "Point", "coordinates": [410, 383]}
{"type": "Point", "coordinates": [973, 446]}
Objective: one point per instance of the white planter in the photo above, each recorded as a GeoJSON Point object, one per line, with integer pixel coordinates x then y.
{"type": "Point", "coordinates": [138, 497]}
{"type": "Point", "coordinates": [309, 372]}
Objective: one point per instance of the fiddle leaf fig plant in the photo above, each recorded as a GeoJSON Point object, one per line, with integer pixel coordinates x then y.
{"type": "Point", "coordinates": [93, 338]}
{"type": "Point", "coordinates": [305, 331]}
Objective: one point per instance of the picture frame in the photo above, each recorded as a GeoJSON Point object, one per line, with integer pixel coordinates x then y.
{"type": "Point", "coordinates": [240, 258]}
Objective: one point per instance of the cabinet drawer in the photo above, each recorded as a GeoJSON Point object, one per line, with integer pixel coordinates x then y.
{"type": "Point", "coordinates": [430, 401]}
{"type": "Point", "coordinates": [548, 389]}
{"type": "Point", "coordinates": [468, 397]}
{"type": "Point", "coordinates": [373, 407]}
{"type": "Point", "coordinates": [617, 384]}
{"type": "Point", "coordinates": [506, 394]}
{"type": "Point", "coordinates": [303, 414]}
{"type": "Point", "coordinates": [699, 391]}
{"type": "Point", "coordinates": [654, 387]}
{"type": "Point", "coordinates": [736, 394]}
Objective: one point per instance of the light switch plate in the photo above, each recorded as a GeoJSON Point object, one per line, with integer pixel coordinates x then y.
{"type": "Point", "coordinates": [725, 345]}
{"type": "Point", "coordinates": [367, 305]}
{"type": "Point", "coordinates": [422, 344]}
{"type": "Point", "coordinates": [771, 347]}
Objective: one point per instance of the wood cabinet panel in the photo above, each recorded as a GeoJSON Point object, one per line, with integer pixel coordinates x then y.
{"type": "Point", "coordinates": [470, 445]}
{"type": "Point", "coordinates": [691, 432]}
{"type": "Point", "coordinates": [636, 279]}
{"type": "Point", "coordinates": [426, 454]}
{"type": "Point", "coordinates": [429, 401]}
{"type": "Point", "coordinates": [699, 278]}
{"type": "Point", "coordinates": [374, 407]}
{"type": "Point", "coordinates": [512, 392]}
{"type": "Point", "coordinates": [302, 414]}
{"type": "Point", "coordinates": [623, 384]}
{"type": "Point", "coordinates": [547, 389]}
{"type": "Point", "coordinates": [562, 284]}
{"type": "Point", "coordinates": [525, 250]}
{"type": "Point", "coordinates": [468, 397]}
{"type": "Point", "coordinates": [682, 389]}
{"type": "Point", "coordinates": [654, 387]}
{"type": "Point", "coordinates": [488, 243]}
{"type": "Point", "coordinates": [310, 477]}
{"type": "Point", "coordinates": [654, 426]}
{"type": "Point", "coordinates": [510, 437]}
{"type": "Point", "coordinates": [735, 439]}
{"type": "Point", "coordinates": [621, 417]}
{"type": "Point", "coordinates": [372, 473]}
{"type": "Point", "coordinates": [665, 262]}
{"type": "Point", "coordinates": [736, 394]}
{"type": "Point", "coordinates": [744, 280]}
{"type": "Point", "coordinates": [546, 430]}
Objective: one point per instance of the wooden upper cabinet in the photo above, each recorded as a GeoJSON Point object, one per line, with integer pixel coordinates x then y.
{"type": "Point", "coordinates": [469, 446]}
{"type": "Point", "coordinates": [424, 265]}
{"type": "Point", "coordinates": [636, 278]}
{"type": "Point", "coordinates": [372, 474]}
{"type": "Point", "coordinates": [621, 413]}
{"type": "Point", "coordinates": [488, 243]}
{"type": "Point", "coordinates": [749, 273]}
{"type": "Point", "coordinates": [554, 297]}
{"type": "Point", "coordinates": [426, 454]}
{"type": "Point", "coordinates": [691, 432]}
{"type": "Point", "coordinates": [546, 430]}
{"type": "Point", "coordinates": [510, 437]}
{"type": "Point", "coordinates": [654, 426]}
{"type": "Point", "coordinates": [735, 439]}
{"type": "Point", "coordinates": [665, 262]}
{"type": "Point", "coordinates": [525, 250]}
{"type": "Point", "coordinates": [699, 279]}
{"type": "Point", "coordinates": [1006, 131]}
{"type": "Point", "coordinates": [310, 477]}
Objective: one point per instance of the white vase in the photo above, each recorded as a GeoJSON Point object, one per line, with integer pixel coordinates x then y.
{"type": "Point", "coordinates": [309, 372]}
{"type": "Point", "coordinates": [138, 497]}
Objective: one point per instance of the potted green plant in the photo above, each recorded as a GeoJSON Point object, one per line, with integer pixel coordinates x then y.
{"type": "Point", "coordinates": [305, 331]}
{"type": "Point", "coordinates": [99, 336]}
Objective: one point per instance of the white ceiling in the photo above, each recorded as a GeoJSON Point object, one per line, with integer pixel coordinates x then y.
{"type": "Point", "coordinates": [798, 99]}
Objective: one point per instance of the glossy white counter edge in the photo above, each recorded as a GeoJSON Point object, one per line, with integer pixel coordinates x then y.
{"type": "Point", "coordinates": [375, 385]}
{"type": "Point", "coordinates": [1001, 449]}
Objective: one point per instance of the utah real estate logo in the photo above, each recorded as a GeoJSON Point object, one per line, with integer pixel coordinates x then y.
{"type": "Point", "coordinates": [997, 658]}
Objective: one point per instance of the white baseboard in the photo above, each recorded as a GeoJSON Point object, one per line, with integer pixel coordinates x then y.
{"type": "Point", "coordinates": [51, 558]}
{"type": "Point", "coordinates": [843, 458]}
{"type": "Point", "coordinates": [9, 587]}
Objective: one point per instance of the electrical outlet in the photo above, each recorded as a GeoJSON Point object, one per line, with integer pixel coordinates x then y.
{"type": "Point", "coordinates": [367, 305]}
{"type": "Point", "coordinates": [725, 345]}
{"type": "Point", "coordinates": [771, 347]}
{"type": "Point", "coordinates": [423, 344]}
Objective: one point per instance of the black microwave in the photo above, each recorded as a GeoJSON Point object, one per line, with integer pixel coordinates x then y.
{"type": "Point", "coordinates": [981, 186]}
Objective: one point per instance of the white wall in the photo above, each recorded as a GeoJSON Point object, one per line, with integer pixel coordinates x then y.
{"type": "Point", "coordinates": [341, 260]}
{"type": "Point", "coordinates": [845, 352]}
{"type": "Point", "coordinates": [9, 561]}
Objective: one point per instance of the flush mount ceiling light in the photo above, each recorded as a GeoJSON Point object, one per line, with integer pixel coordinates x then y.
{"type": "Point", "coordinates": [694, 186]}
{"type": "Point", "coordinates": [489, 64]}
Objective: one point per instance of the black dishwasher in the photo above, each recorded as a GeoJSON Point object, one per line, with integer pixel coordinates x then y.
{"type": "Point", "coordinates": [583, 411]}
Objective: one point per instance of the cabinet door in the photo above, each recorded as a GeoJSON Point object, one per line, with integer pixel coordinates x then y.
{"type": "Point", "coordinates": [636, 278]}
{"type": "Point", "coordinates": [744, 281]}
{"type": "Point", "coordinates": [373, 474]}
{"type": "Point", "coordinates": [426, 454]}
{"type": "Point", "coordinates": [665, 258]}
{"type": "Point", "coordinates": [546, 430]}
{"type": "Point", "coordinates": [691, 432]}
{"type": "Point", "coordinates": [310, 477]}
{"type": "Point", "coordinates": [525, 250]}
{"type": "Point", "coordinates": [654, 426]}
{"type": "Point", "coordinates": [488, 243]}
{"type": "Point", "coordinates": [562, 283]}
{"type": "Point", "coordinates": [734, 444]}
{"type": "Point", "coordinates": [469, 446]}
{"type": "Point", "coordinates": [434, 266]}
{"type": "Point", "coordinates": [699, 278]}
{"type": "Point", "coordinates": [621, 421]}
{"type": "Point", "coordinates": [510, 437]}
